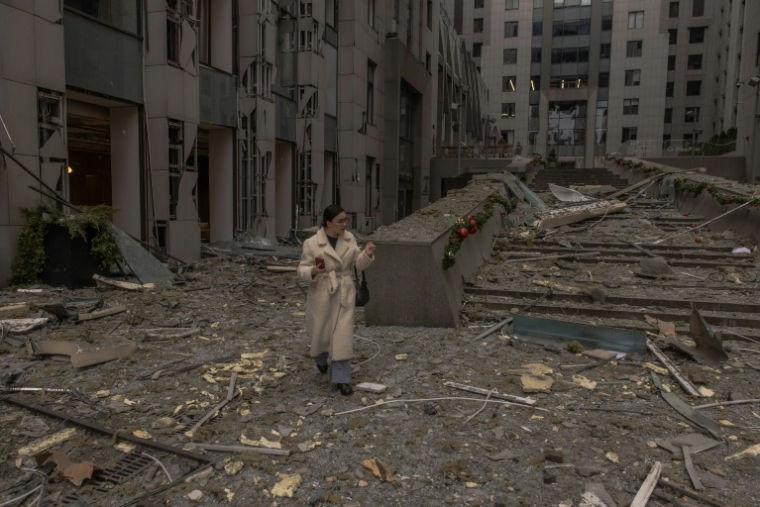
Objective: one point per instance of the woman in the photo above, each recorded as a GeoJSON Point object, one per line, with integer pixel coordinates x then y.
{"type": "Point", "coordinates": [327, 263]}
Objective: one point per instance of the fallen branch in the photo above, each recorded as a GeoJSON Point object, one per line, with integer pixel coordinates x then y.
{"type": "Point", "coordinates": [642, 497]}
{"type": "Point", "coordinates": [419, 400]}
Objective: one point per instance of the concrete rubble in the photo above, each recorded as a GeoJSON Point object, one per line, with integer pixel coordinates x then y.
{"type": "Point", "coordinates": [201, 391]}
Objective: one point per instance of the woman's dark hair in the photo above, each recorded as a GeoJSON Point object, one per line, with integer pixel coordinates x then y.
{"type": "Point", "coordinates": [331, 212]}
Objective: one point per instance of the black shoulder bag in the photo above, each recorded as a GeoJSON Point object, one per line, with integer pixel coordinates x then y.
{"type": "Point", "coordinates": [362, 292]}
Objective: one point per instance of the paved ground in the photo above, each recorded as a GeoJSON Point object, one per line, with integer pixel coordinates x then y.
{"type": "Point", "coordinates": [578, 436]}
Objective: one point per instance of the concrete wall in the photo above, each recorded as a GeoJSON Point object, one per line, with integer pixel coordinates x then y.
{"type": "Point", "coordinates": [407, 282]}
{"type": "Point", "coordinates": [730, 168]}
{"type": "Point", "coordinates": [31, 56]}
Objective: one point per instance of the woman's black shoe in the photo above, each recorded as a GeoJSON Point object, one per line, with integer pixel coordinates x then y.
{"type": "Point", "coordinates": [345, 389]}
{"type": "Point", "coordinates": [322, 368]}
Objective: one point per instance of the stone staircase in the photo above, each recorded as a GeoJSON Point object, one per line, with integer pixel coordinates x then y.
{"type": "Point", "coordinates": [565, 177]}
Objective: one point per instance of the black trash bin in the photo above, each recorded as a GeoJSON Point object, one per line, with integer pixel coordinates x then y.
{"type": "Point", "coordinates": [68, 260]}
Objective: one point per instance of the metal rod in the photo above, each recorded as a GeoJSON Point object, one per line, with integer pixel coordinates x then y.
{"type": "Point", "coordinates": [685, 383]}
{"type": "Point", "coordinates": [105, 430]}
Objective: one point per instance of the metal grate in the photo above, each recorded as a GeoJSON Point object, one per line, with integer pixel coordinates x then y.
{"type": "Point", "coordinates": [123, 470]}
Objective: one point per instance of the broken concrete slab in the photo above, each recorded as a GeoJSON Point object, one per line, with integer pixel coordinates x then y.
{"type": "Point", "coordinates": [566, 216]}
{"type": "Point", "coordinates": [655, 266]}
{"type": "Point", "coordinates": [21, 326]}
{"type": "Point", "coordinates": [80, 358]}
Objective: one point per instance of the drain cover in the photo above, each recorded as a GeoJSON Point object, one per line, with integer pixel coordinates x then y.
{"type": "Point", "coordinates": [124, 469]}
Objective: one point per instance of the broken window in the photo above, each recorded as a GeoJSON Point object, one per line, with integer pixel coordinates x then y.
{"type": "Point", "coordinates": [176, 160]}
{"type": "Point", "coordinates": [631, 106]}
{"type": "Point", "coordinates": [305, 187]}
{"type": "Point", "coordinates": [306, 9]}
{"type": "Point", "coordinates": [181, 7]}
{"type": "Point", "coordinates": [371, 68]}
{"type": "Point", "coordinates": [173, 37]}
{"type": "Point", "coordinates": [123, 14]}
{"type": "Point", "coordinates": [368, 186]}
{"type": "Point", "coordinates": [633, 77]}
{"type": "Point", "coordinates": [308, 39]}
{"type": "Point", "coordinates": [629, 134]}
{"type": "Point", "coordinates": [266, 80]}
{"type": "Point", "coordinates": [311, 106]}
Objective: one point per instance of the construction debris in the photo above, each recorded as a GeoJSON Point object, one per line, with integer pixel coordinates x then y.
{"type": "Point", "coordinates": [108, 282]}
{"type": "Point", "coordinates": [565, 216]}
{"type": "Point", "coordinates": [79, 357]}
{"type": "Point", "coordinates": [46, 443]}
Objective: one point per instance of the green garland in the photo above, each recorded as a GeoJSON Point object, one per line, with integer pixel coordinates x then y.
{"type": "Point", "coordinates": [724, 199]}
{"type": "Point", "coordinates": [681, 185]}
{"type": "Point", "coordinates": [630, 164]}
{"type": "Point", "coordinates": [455, 241]}
{"type": "Point", "coordinates": [30, 255]}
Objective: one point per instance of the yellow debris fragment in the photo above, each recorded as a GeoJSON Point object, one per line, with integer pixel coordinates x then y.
{"type": "Point", "coordinates": [287, 486]}
{"type": "Point", "coordinates": [142, 434]}
{"type": "Point", "coordinates": [749, 452]}
{"type": "Point", "coordinates": [45, 443]}
{"type": "Point", "coordinates": [612, 457]}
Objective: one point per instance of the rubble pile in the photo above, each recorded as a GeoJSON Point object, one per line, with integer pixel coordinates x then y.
{"type": "Point", "coordinates": [593, 367]}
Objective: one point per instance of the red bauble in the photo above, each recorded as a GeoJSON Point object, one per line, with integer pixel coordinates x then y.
{"type": "Point", "coordinates": [462, 233]}
{"type": "Point", "coordinates": [473, 223]}
{"type": "Point", "coordinates": [697, 240]}
{"type": "Point", "coordinates": [473, 230]}
{"type": "Point", "coordinates": [686, 213]}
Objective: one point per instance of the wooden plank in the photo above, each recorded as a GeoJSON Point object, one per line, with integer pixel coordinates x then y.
{"type": "Point", "coordinates": [14, 309]}
{"type": "Point", "coordinates": [486, 392]}
{"type": "Point", "coordinates": [690, 468]}
{"type": "Point", "coordinates": [102, 313]}
{"type": "Point", "coordinates": [680, 377]}
{"type": "Point", "coordinates": [635, 186]}
{"type": "Point", "coordinates": [282, 269]}
{"type": "Point", "coordinates": [642, 497]}
{"type": "Point", "coordinates": [123, 285]}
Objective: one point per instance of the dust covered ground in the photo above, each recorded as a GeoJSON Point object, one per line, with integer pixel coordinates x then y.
{"type": "Point", "coordinates": [591, 430]}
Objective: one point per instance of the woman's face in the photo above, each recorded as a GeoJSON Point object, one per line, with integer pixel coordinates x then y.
{"type": "Point", "coordinates": [337, 226]}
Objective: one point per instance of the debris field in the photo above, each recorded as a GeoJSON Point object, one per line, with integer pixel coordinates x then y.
{"type": "Point", "coordinates": [201, 391]}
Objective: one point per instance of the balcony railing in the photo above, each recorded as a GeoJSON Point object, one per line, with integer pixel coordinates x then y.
{"type": "Point", "coordinates": [497, 151]}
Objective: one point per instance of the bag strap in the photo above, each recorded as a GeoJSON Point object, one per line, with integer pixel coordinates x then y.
{"type": "Point", "coordinates": [356, 275]}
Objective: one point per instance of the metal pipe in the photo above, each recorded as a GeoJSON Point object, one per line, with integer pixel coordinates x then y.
{"type": "Point", "coordinates": [105, 430]}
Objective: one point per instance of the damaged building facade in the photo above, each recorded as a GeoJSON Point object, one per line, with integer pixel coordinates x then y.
{"type": "Point", "coordinates": [199, 119]}
{"type": "Point", "coordinates": [648, 78]}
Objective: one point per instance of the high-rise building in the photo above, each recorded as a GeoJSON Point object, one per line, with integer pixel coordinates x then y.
{"type": "Point", "coordinates": [202, 119]}
{"type": "Point", "coordinates": [590, 77]}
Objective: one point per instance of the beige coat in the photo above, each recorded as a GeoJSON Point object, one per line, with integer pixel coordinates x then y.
{"type": "Point", "coordinates": [331, 300]}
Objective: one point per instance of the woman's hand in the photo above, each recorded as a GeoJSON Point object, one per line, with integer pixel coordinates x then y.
{"type": "Point", "coordinates": [370, 249]}
{"type": "Point", "coordinates": [316, 271]}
